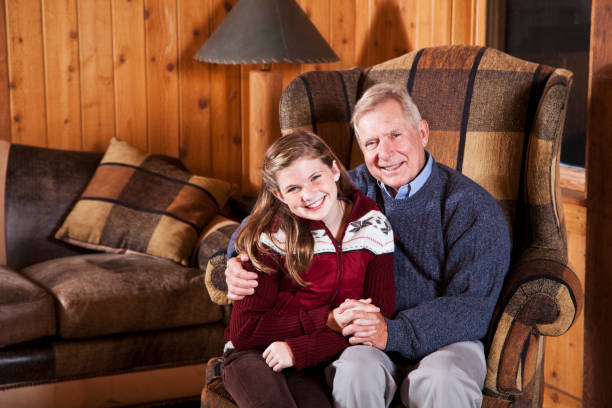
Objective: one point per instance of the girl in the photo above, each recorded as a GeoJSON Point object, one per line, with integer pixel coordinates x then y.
{"type": "Point", "coordinates": [315, 241]}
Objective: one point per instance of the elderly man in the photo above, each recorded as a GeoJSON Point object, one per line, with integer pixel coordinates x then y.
{"type": "Point", "coordinates": [450, 261]}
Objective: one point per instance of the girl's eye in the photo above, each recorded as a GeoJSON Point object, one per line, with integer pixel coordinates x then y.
{"type": "Point", "coordinates": [316, 176]}
{"type": "Point", "coordinates": [291, 189]}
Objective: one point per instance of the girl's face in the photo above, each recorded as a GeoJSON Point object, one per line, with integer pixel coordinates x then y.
{"type": "Point", "coordinates": [308, 187]}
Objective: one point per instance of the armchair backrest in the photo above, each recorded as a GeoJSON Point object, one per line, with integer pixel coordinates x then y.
{"type": "Point", "coordinates": [495, 118]}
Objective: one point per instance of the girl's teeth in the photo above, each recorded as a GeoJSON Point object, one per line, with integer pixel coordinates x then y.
{"type": "Point", "coordinates": [315, 204]}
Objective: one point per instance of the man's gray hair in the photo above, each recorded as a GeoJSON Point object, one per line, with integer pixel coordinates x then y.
{"type": "Point", "coordinates": [380, 93]}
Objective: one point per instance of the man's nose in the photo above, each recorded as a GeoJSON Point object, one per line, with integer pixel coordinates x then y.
{"type": "Point", "coordinates": [385, 150]}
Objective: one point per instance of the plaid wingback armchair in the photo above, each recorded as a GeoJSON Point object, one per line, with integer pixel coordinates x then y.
{"type": "Point", "coordinates": [498, 120]}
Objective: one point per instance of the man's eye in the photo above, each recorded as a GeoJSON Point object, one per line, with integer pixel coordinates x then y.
{"type": "Point", "coordinates": [396, 134]}
{"type": "Point", "coordinates": [371, 144]}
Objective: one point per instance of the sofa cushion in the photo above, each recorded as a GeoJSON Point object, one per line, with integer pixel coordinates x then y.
{"type": "Point", "coordinates": [100, 294]}
{"type": "Point", "coordinates": [26, 310]}
{"type": "Point", "coordinates": [143, 203]}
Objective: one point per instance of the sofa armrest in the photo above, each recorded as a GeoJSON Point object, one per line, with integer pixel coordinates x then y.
{"type": "Point", "coordinates": [215, 278]}
{"type": "Point", "coordinates": [210, 256]}
{"type": "Point", "coordinates": [541, 297]}
{"type": "Point", "coordinates": [213, 238]}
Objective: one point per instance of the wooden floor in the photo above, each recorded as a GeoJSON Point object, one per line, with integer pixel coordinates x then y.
{"type": "Point", "coordinates": [141, 389]}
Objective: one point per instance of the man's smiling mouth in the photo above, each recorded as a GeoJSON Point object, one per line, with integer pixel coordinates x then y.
{"type": "Point", "coordinates": [391, 168]}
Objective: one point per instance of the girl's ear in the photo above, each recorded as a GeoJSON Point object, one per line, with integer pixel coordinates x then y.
{"type": "Point", "coordinates": [335, 171]}
{"type": "Point", "coordinates": [278, 196]}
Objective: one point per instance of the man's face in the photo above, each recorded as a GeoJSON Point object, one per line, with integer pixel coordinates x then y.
{"type": "Point", "coordinates": [394, 151]}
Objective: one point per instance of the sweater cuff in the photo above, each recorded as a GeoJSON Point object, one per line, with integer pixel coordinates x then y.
{"type": "Point", "coordinates": [299, 348]}
{"type": "Point", "coordinates": [396, 333]}
{"type": "Point", "coordinates": [314, 319]}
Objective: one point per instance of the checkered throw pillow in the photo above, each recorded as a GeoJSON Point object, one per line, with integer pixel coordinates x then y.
{"type": "Point", "coordinates": [143, 203]}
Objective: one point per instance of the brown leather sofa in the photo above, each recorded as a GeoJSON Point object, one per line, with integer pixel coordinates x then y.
{"type": "Point", "coordinates": [66, 312]}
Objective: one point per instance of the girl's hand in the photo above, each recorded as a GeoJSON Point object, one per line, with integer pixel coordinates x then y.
{"type": "Point", "coordinates": [278, 355]}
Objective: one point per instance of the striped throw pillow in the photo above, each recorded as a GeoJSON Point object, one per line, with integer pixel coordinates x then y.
{"type": "Point", "coordinates": [137, 202]}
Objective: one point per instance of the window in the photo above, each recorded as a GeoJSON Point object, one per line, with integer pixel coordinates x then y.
{"type": "Point", "coordinates": [551, 32]}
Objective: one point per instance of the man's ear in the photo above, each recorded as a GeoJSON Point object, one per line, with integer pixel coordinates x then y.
{"type": "Point", "coordinates": [335, 171]}
{"type": "Point", "coordinates": [424, 132]}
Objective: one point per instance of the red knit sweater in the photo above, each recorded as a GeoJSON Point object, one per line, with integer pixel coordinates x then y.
{"type": "Point", "coordinates": [359, 265]}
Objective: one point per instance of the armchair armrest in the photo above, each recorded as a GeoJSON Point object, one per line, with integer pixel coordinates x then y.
{"type": "Point", "coordinates": [541, 297]}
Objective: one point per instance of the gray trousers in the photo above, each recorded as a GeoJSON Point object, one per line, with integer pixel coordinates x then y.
{"type": "Point", "coordinates": [452, 376]}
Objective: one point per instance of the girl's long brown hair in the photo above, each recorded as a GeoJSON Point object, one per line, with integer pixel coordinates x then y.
{"type": "Point", "coordinates": [269, 212]}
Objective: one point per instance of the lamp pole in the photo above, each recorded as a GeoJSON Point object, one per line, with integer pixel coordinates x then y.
{"type": "Point", "coordinates": [265, 88]}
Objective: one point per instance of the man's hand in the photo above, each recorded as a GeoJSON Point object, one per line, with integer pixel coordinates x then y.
{"type": "Point", "coordinates": [352, 310]}
{"type": "Point", "coordinates": [369, 334]}
{"type": "Point", "coordinates": [240, 282]}
{"type": "Point", "coordinates": [278, 355]}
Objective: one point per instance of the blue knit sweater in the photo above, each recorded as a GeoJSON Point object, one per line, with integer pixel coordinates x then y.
{"type": "Point", "coordinates": [450, 260]}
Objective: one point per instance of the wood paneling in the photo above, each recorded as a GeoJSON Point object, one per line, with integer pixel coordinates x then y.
{"type": "Point", "coordinates": [26, 72]}
{"type": "Point", "coordinates": [130, 72]}
{"type": "Point", "coordinates": [225, 128]}
{"type": "Point", "coordinates": [598, 319]}
{"type": "Point", "coordinates": [96, 68]}
{"type": "Point", "coordinates": [462, 31]}
{"type": "Point", "coordinates": [162, 76]}
{"type": "Point", "coordinates": [342, 32]}
{"type": "Point", "coordinates": [194, 88]}
{"type": "Point", "coordinates": [83, 71]}
{"type": "Point", "coordinates": [319, 13]}
{"type": "Point", "coordinates": [424, 36]}
{"type": "Point", "coordinates": [442, 22]}
{"type": "Point", "coordinates": [556, 398]}
{"type": "Point", "coordinates": [564, 355]}
{"type": "Point", "coordinates": [61, 56]}
{"type": "Point", "coordinates": [5, 125]}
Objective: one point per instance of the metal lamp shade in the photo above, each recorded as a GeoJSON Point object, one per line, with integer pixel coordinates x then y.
{"type": "Point", "coordinates": [265, 32]}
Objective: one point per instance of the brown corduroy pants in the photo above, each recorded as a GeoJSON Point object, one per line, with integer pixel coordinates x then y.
{"type": "Point", "coordinates": [253, 384]}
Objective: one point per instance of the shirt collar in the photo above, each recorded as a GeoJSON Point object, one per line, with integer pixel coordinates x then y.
{"type": "Point", "coordinates": [410, 189]}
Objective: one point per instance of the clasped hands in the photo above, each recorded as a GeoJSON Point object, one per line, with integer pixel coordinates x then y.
{"type": "Point", "coordinates": [360, 321]}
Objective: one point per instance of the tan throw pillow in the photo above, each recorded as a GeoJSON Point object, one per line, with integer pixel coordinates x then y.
{"type": "Point", "coordinates": [143, 203]}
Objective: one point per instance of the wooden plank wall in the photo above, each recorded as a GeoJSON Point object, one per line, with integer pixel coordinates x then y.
{"type": "Point", "coordinates": [74, 73]}
{"type": "Point", "coordinates": [564, 357]}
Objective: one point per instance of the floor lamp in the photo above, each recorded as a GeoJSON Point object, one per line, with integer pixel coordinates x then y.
{"type": "Point", "coordinates": [264, 32]}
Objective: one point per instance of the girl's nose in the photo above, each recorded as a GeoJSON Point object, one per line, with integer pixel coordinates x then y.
{"type": "Point", "coordinates": [308, 193]}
